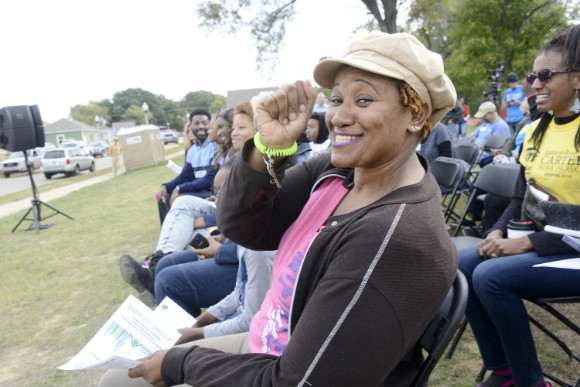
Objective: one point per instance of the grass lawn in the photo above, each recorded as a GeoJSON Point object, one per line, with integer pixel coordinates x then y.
{"type": "Point", "coordinates": [58, 287]}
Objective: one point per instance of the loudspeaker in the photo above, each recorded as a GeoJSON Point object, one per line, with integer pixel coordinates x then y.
{"type": "Point", "coordinates": [21, 128]}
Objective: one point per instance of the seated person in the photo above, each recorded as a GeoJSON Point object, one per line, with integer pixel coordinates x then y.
{"type": "Point", "coordinates": [436, 144]}
{"type": "Point", "coordinates": [350, 272]}
{"type": "Point", "coordinates": [188, 214]}
{"type": "Point", "coordinates": [317, 134]}
{"type": "Point", "coordinates": [492, 124]}
{"type": "Point", "coordinates": [197, 175]}
{"type": "Point", "coordinates": [234, 312]}
{"type": "Point", "coordinates": [501, 271]}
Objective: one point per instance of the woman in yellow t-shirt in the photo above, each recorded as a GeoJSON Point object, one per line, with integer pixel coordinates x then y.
{"type": "Point", "coordinates": [501, 271]}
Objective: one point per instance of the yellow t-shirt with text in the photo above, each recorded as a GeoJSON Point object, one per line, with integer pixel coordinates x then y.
{"type": "Point", "coordinates": [556, 164]}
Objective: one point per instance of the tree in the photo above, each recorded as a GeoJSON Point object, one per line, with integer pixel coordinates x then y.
{"type": "Point", "coordinates": [267, 20]}
{"type": "Point", "coordinates": [88, 113]}
{"type": "Point", "coordinates": [197, 99]}
{"type": "Point", "coordinates": [134, 113]}
{"type": "Point", "coordinates": [509, 31]}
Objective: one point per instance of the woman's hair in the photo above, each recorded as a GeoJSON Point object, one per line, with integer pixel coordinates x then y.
{"type": "Point", "coordinates": [567, 42]}
{"type": "Point", "coordinates": [244, 107]}
{"type": "Point", "coordinates": [322, 127]}
{"type": "Point", "coordinates": [228, 116]}
{"type": "Point", "coordinates": [411, 99]}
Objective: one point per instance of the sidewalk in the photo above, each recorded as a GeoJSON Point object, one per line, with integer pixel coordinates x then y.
{"type": "Point", "coordinates": [24, 204]}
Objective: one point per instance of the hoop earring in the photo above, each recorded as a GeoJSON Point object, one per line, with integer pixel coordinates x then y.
{"type": "Point", "coordinates": [576, 106]}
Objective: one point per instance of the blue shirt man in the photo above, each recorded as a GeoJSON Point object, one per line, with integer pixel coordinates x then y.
{"type": "Point", "coordinates": [492, 125]}
{"type": "Point", "coordinates": [512, 99]}
{"type": "Point", "coordinates": [196, 177]}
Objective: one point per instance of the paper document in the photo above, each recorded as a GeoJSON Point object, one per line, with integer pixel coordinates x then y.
{"type": "Point", "coordinates": [133, 332]}
{"type": "Point", "coordinates": [174, 167]}
{"type": "Point", "coordinates": [572, 263]}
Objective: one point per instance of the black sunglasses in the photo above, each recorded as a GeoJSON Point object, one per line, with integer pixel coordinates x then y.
{"type": "Point", "coordinates": [544, 75]}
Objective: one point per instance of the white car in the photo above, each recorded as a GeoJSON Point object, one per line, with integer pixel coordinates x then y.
{"type": "Point", "coordinates": [70, 161]}
{"type": "Point", "coordinates": [16, 163]}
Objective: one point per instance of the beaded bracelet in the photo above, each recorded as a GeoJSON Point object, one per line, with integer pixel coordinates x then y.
{"type": "Point", "coordinates": [274, 152]}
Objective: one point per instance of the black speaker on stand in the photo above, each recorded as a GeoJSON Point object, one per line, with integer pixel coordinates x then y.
{"type": "Point", "coordinates": [21, 129]}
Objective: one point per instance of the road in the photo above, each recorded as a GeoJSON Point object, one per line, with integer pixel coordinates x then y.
{"type": "Point", "coordinates": [21, 181]}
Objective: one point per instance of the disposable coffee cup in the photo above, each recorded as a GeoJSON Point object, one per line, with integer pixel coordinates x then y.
{"type": "Point", "coordinates": [518, 228]}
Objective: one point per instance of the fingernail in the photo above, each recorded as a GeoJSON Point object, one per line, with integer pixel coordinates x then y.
{"type": "Point", "coordinates": [285, 121]}
{"type": "Point", "coordinates": [292, 116]}
{"type": "Point", "coordinates": [302, 107]}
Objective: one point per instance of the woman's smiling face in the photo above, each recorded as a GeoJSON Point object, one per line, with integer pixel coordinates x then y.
{"type": "Point", "coordinates": [367, 122]}
{"type": "Point", "coordinates": [558, 93]}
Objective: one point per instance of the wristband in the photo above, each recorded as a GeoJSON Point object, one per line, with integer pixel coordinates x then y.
{"type": "Point", "coordinates": [274, 152]}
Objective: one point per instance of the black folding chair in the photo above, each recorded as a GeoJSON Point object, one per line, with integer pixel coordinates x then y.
{"type": "Point", "coordinates": [495, 141]}
{"type": "Point", "coordinates": [498, 179]}
{"type": "Point", "coordinates": [442, 327]}
{"type": "Point", "coordinates": [449, 173]}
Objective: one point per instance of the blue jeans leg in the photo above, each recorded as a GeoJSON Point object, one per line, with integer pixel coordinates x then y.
{"type": "Point", "coordinates": [191, 283]}
{"type": "Point", "coordinates": [497, 314]}
{"type": "Point", "coordinates": [177, 229]}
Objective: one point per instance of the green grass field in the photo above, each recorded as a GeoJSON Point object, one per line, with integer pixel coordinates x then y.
{"type": "Point", "coordinates": [58, 287]}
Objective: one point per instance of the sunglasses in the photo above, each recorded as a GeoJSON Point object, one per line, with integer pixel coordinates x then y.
{"type": "Point", "coordinates": [544, 75]}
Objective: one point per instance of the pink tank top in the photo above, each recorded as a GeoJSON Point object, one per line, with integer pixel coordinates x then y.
{"type": "Point", "coordinates": [269, 327]}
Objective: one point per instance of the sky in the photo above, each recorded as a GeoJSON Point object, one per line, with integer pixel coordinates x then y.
{"type": "Point", "coordinates": [60, 53]}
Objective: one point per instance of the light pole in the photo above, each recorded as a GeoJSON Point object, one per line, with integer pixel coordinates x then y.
{"type": "Point", "coordinates": [145, 107]}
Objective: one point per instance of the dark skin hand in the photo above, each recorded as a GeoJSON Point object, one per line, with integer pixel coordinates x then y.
{"type": "Point", "coordinates": [150, 370]}
{"type": "Point", "coordinates": [494, 245]}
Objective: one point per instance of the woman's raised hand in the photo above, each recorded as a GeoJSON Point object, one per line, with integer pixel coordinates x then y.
{"type": "Point", "coordinates": [281, 117]}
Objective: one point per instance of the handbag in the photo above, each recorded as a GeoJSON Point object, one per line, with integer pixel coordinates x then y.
{"type": "Point", "coordinates": [531, 209]}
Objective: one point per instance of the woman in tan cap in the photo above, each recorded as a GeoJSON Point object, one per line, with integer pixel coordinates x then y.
{"type": "Point", "coordinates": [364, 260]}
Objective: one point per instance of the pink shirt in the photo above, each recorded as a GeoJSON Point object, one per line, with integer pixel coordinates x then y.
{"type": "Point", "coordinates": [269, 327]}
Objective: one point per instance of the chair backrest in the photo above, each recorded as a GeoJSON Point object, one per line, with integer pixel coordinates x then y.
{"type": "Point", "coordinates": [497, 141]}
{"type": "Point", "coordinates": [498, 179]}
{"type": "Point", "coordinates": [447, 171]}
{"type": "Point", "coordinates": [442, 328]}
{"type": "Point", "coordinates": [466, 140]}
{"type": "Point", "coordinates": [467, 152]}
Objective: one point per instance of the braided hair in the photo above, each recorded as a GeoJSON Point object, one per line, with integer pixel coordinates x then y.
{"type": "Point", "coordinates": [567, 42]}
{"type": "Point", "coordinates": [411, 99]}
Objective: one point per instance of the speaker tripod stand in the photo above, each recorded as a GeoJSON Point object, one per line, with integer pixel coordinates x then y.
{"type": "Point", "coordinates": [36, 206]}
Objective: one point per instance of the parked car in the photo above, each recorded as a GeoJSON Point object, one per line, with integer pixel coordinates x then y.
{"type": "Point", "coordinates": [72, 144]}
{"type": "Point", "coordinates": [169, 136]}
{"type": "Point", "coordinates": [98, 148]}
{"type": "Point", "coordinates": [16, 163]}
{"type": "Point", "coordinates": [70, 161]}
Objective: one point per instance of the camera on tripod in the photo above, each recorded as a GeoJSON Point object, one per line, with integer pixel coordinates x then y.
{"type": "Point", "coordinates": [495, 78]}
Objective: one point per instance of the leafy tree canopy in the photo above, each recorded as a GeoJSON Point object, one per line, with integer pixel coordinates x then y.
{"type": "Point", "coordinates": [127, 105]}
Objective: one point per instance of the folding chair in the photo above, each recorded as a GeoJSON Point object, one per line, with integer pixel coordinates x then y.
{"type": "Point", "coordinates": [546, 304]}
{"type": "Point", "coordinates": [448, 172]}
{"type": "Point", "coordinates": [498, 179]}
{"type": "Point", "coordinates": [442, 327]}
{"type": "Point", "coordinates": [495, 141]}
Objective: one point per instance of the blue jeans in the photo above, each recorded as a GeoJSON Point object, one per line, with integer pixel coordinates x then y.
{"type": "Point", "coordinates": [177, 229]}
{"type": "Point", "coordinates": [497, 314]}
{"type": "Point", "coordinates": [191, 283]}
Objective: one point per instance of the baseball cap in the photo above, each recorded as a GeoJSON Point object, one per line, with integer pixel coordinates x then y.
{"type": "Point", "coordinates": [400, 56]}
{"type": "Point", "coordinates": [484, 108]}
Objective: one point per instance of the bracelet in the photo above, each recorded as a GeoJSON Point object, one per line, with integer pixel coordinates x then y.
{"type": "Point", "coordinates": [274, 152]}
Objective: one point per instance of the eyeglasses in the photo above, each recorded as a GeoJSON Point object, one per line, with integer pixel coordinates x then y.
{"type": "Point", "coordinates": [544, 75]}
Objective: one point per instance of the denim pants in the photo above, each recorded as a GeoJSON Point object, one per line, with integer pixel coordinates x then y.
{"type": "Point", "coordinates": [193, 284]}
{"type": "Point", "coordinates": [497, 314]}
{"type": "Point", "coordinates": [177, 229]}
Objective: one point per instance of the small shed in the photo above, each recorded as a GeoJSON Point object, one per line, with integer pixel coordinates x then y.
{"type": "Point", "coordinates": [142, 146]}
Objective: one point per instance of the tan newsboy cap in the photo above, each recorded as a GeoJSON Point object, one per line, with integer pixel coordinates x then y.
{"type": "Point", "coordinates": [484, 108]}
{"type": "Point", "coordinates": [399, 56]}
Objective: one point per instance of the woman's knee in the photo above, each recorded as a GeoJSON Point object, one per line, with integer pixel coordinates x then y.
{"type": "Point", "coordinates": [469, 259]}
